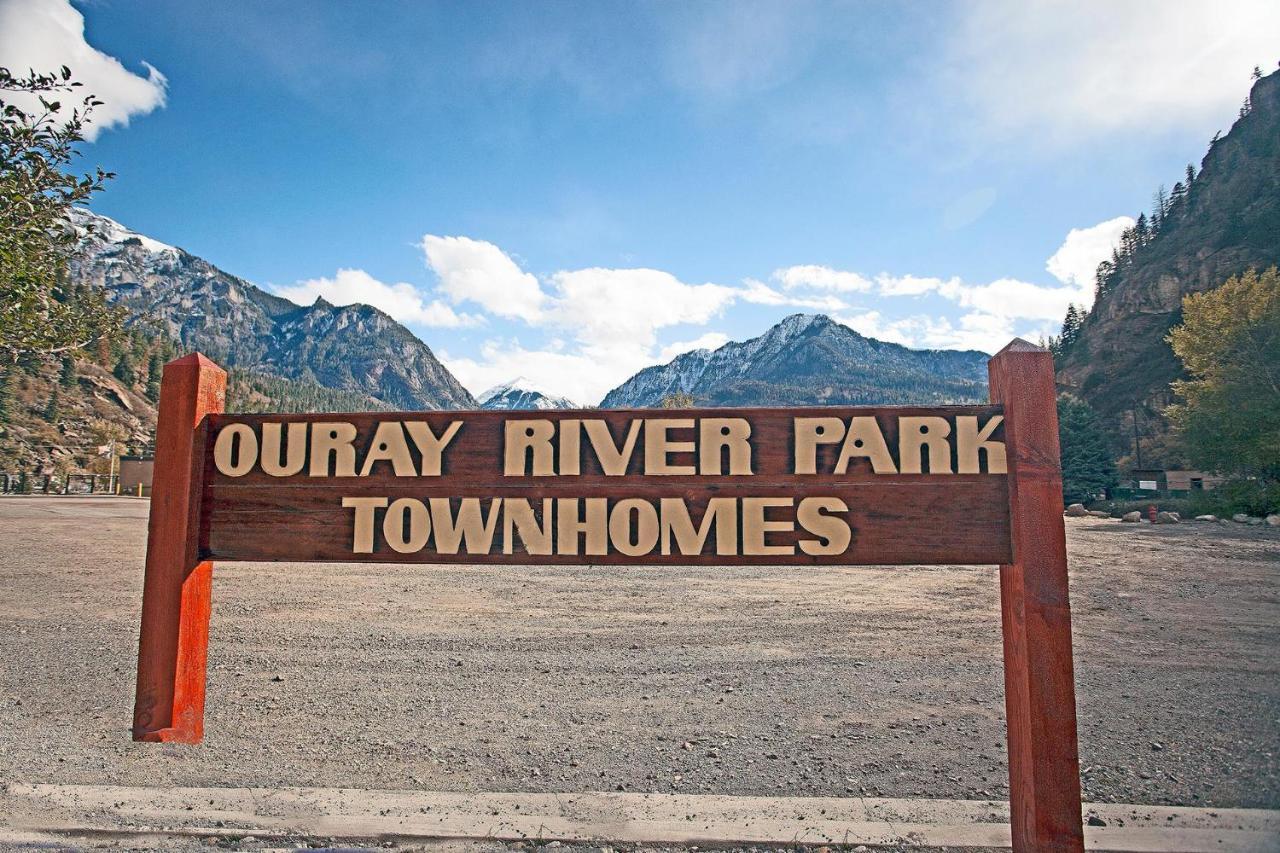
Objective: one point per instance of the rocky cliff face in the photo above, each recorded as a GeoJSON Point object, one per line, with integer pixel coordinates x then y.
{"type": "Point", "coordinates": [1228, 222]}
{"type": "Point", "coordinates": [351, 348]}
{"type": "Point", "coordinates": [810, 359]}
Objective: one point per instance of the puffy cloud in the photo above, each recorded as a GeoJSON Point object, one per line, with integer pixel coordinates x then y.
{"type": "Point", "coordinates": [1076, 261]}
{"type": "Point", "coordinates": [584, 374]}
{"type": "Point", "coordinates": [402, 301]}
{"type": "Point", "coordinates": [44, 35]}
{"type": "Point", "coordinates": [821, 278]}
{"type": "Point", "coordinates": [912, 285]}
{"type": "Point", "coordinates": [1079, 66]}
{"type": "Point", "coordinates": [614, 308]}
{"type": "Point", "coordinates": [759, 293]}
{"type": "Point", "coordinates": [477, 271]}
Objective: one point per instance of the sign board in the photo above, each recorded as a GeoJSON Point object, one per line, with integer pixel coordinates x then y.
{"type": "Point", "coordinates": [796, 487]}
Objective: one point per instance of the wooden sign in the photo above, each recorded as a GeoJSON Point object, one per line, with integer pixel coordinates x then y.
{"type": "Point", "coordinates": [798, 486]}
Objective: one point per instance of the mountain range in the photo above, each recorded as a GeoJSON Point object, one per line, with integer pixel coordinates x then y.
{"type": "Point", "coordinates": [809, 359]}
{"type": "Point", "coordinates": [240, 326]}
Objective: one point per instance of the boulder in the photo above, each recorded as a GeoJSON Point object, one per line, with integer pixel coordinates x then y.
{"type": "Point", "coordinates": [1077, 511]}
{"type": "Point", "coordinates": [1206, 518]}
{"type": "Point", "coordinates": [1273, 520]}
{"type": "Point", "coordinates": [1132, 517]}
{"type": "Point", "coordinates": [1167, 518]}
{"type": "Point", "coordinates": [1240, 518]}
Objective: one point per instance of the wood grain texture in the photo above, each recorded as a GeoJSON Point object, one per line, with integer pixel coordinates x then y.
{"type": "Point", "coordinates": [1044, 767]}
{"type": "Point", "coordinates": [174, 638]}
{"type": "Point", "coordinates": [895, 518]}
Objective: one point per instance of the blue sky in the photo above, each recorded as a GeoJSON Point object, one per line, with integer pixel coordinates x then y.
{"type": "Point", "coordinates": [572, 191]}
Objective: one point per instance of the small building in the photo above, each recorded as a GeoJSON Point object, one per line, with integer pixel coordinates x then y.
{"type": "Point", "coordinates": [136, 471]}
{"type": "Point", "coordinates": [1172, 481]}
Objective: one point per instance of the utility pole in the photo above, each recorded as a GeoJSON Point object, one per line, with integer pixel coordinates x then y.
{"type": "Point", "coordinates": [1137, 447]}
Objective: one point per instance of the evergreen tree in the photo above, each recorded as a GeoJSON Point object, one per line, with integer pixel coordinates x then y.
{"type": "Point", "coordinates": [155, 370]}
{"type": "Point", "coordinates": [125, 370]}
{"type": "Point", "coordinates": [1191, 176]}
{"type": "Point", "coordinates": [1087, 467]}
{"type": "Point", "coordinates": [53, 409]}
{"type": "Point", "coordinates": [67, 378]}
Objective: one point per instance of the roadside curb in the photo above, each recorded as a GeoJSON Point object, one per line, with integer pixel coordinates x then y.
{"type": "Point", "coordinates": [30, 812]}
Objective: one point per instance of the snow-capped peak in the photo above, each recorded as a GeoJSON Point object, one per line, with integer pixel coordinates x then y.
{"type": "Point", "coordinates": [107, 230]}
{"type": "Point", "coordinates": [517, 394]}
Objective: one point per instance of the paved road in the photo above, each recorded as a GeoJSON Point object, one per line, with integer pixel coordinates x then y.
{"type": "Point", "coordinates": [747, 681]}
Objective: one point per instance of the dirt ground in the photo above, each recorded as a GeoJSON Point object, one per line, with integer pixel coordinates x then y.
{"type": "Point", "coordinates": [764, 681]}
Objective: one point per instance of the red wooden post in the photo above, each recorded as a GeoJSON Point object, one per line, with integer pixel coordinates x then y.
{"type": "Point", "coordinates": [173, 646]}
{"type": "Point", "coordinates": [1039, 684]}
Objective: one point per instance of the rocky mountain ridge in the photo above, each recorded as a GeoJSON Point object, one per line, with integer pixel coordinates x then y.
{"type": "Point", "coordinates": [354, 348]}
{"type": "Point", "coordinates": [809, 359]}
{"type": "Point", "coordinates": [1222, 222]}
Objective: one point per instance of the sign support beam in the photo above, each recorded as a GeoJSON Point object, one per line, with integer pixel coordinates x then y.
{"type": "Point", "coordinates": [173, 645]}
{"type": "Point", "coordinates": [1040, 706]}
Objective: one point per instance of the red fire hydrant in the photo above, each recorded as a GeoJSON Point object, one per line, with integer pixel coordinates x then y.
{"type": "Point", "coordinates": [1151, 513]}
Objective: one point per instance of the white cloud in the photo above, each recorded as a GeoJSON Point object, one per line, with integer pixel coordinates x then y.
{"type": "Point", "coordinates": [711, 341]}
{"type": "Point", "coordinates": [584, 375]}
{"type": "Point", "coordinates": [1076, 261]}
{"type": "Point", "coordinates": [480, 272]}
{"type": "Point", "coordinates": [619, 308]}
{"type": "Point", "coordinates": [759, 293]}
{"type": "Point", "coordinates": [402, 301]}
{"type": "Point", "coordinates": [1073, 67]}
{"type": "Point", "coordinates": [821, 278]}
{"type": "Point", "coordinates": [44, 35]}
{"type": "Point", "coordinates": [912, 285]}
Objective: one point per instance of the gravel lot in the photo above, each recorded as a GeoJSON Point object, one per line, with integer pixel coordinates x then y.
{"type": "Point", "coordinates": [767, 681]}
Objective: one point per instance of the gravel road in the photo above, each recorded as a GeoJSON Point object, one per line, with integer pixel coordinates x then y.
{"type": "Point", "coordinates": [764, 681]}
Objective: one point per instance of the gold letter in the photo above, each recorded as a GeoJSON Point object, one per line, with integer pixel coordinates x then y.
{"type": "Point", "coordinates": [832, 529]}
{"type": "Point", "coordinates": [717, 433]}
{"type": "Point", "coordinates": [393, 524]}
{"type": "Point", "coordinates": [865, 439]}
{"type": "Point", "coordinates": [969, 441]}
{"type": "Point", "coordinates": [528, 439]}
{"type": "Point", "coordinates": [657, 445]}
{"type": "Point", "coordinates": [270, 456]}
{"type": "Point", "coordinates": [362, 541]}
{"type": "Point", "coordinates": [570, 447]}
{"type": "Point", "coordinates": [389, 446]}
{"type": "Point", "coordinates": [333, 438]}
{"type": "Point", "coordinates": [246, 449]}
{"type": "Point", "coordinates": [809, 433]}
{"type": "Point", "coordinates": [469, 526]}
{"type": "Point", "coordinates": [612, 460]}
{"type": "Point", "coordinates": [569, 526]}
{"type": "Point", "coordinates": [518, 514]}
{"type": "Point", "coordinates": [431, 447]}
{"type": "Point", "coordinates": [755, 526]}
{"type": "Point", "coordinates": [675, 519]}
{"type": "Point", "coordinates": [929, 433]}
{"type": "Point", "coordinates": [646, 527]}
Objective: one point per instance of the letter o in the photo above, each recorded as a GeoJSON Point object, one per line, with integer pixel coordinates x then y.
{"type": "Point", "coordinates": [393, 524]}
{"type": "Point", "coordinates": [646, 527]}
{"type": "Point", "coordinates": [240, 440]}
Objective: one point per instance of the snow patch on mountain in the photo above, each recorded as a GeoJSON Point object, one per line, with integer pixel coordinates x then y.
{"type": "Point", "coordinates": [517, 394]}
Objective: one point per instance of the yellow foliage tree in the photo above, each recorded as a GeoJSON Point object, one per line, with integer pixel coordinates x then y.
{"type": "Point", "coordinates": [1229, 344]}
